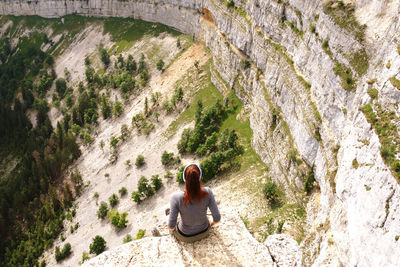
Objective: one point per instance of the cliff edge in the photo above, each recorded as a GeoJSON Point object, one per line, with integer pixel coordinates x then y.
{"type": "Point", "coordinates": [229, 244]}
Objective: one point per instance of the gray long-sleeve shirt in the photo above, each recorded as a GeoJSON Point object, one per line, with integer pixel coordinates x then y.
{"type": "Point", "coordinates": [193, 216]}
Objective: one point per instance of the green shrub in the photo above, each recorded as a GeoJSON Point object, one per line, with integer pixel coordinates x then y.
{"type": "Point", "coordinates": [64, 253]}
{"type": "Point", "coordinates": [183, 142]}
{"type": "Point", "coordinates": [245, 64]}
{"type": "Point", "coordinates": [103, 209]}
{"type": "Point", "coordinates": [280, 227]}
{"type": "Point", "coordinates": [395, 82]}
{"type": "Point", "coordinates": [230, 4]}
{"type": "Point", "coordinates": [136, 196]}
{"type": "Point", "coordinates": [113, 199]}
{"type": "Point", "coordinates": [143, 184]}
{"type": "Point", "coordinates": [309, 182]}
{"type": "Point", "coordinates": [85, 257]}
{"type": "Point", "coordinates": [61, 86]}
{"type": "Point", "coordinates": [118, 108]}
{"type": "Point", "coordinates": [98, 245]}
{"type": "Point", "coordinates": [104, 56]}
{"type": "Point", "coordinates": [127, 238]}
{"type": "Point", "coordinates": [122, 191]}
{"type": "Point", "coordinates": [179, 175]}
{"type": "Point", "coordinates": [140, 234]}
{"type": "Point", "coordinates": [168, 175]}
{"type": "Point", "coordinates": [312, 28]}
{"type": "Point", "coordinates": [157, 182]}
{"type": "Point", "coordinates": [139, 161]}
{"type": "Point", "coordinates": [369, 113]}
{"type": "Point", "coordinates": [373, 93]}
{"type": "Point", "coordinates": [354, 163]}
{"type": "Point", "coordinates": [270, 192]}
{"type": "Point", "coordinates": [160, 64]}
{"type": "Point", "coordinates": [144, 187]}
{"type": "Point", "coordinates": [117, 219]}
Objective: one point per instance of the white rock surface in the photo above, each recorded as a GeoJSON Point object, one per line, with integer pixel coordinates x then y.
{"type": "Point", "coordinates": [284, 250]}
{"type": "Point", "coordinates": [229, 244]}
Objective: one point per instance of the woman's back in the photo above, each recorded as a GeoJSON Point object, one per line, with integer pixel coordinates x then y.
{"type": "Point", "coordinates": [193, 215]}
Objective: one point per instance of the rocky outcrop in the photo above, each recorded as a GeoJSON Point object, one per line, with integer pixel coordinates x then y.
{"type": "Point", "coordinates": [284, 250]}
{"type": "Point", "coordinates": [301, 55]}
{"type": "Point", "coordinates": [229, 244]}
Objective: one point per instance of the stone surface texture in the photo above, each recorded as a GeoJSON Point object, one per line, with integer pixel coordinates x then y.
{"type": "Point", "coordinates": [229, 244]}
{"type": "Point", "coordinates": [284, 250]}
{"type": "Point", "coordinates": [290, 74]}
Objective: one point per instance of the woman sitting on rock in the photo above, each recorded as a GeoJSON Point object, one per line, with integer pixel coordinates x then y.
{"type": "Point", "coordinates": [192, 206]}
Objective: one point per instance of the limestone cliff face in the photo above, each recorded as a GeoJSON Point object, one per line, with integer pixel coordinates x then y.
{"type": "Point", "coordinates": [300, 54]}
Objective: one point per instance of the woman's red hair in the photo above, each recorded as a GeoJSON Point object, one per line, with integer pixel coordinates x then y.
{"type": "Point", "coordinates": [193, 185]}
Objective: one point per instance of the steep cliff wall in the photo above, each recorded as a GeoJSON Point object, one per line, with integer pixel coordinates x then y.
{"type": "Point", "coordinates": [303, 69]}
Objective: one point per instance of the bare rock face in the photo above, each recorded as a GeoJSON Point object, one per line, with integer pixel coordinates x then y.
{"type": "Point", "coordinates": [285, 251]}
{"type": "Point", "coordinates": [229, 244]}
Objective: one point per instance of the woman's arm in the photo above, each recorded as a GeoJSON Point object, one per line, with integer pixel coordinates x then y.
{"type": "Point", "coordinates": [173, 214]}
{"type": "Point", "coordinates": [214, 209]}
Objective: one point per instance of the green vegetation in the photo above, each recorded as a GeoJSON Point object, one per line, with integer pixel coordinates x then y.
{"type": "Point", "coordinates": [64, 253]}
{"type": "Point", "coordinates": [168, 175]}
{"type": "Point", "coordinates": [36, 196]}
{"type": "Point", "coordinates": [85, 257]}
{"type": "Point", "coordinates": [140, 161]}
{"type": "Point", "coordinates": [117, 219]}
{"type": "Point", "coordinates": [113, 199]}
{"type": "Point", "coordinates": [98, 245]}
{"type": "Point", "coordinates": [125, 32]}
{"type": "Point", "coordinates": [204, 140]}
{"type": "Point", "coordinates": [230, 4]}
{"type": "Point", "coordinates": [33, 204]}
{"type": "Point", "coordinates": [137, 197]}
{"type": "Point", "coordinates": [359, 61]}
{"type": "Point", "coordinates": [295, 29]}
{"type": "Point", "coordinates": [160, 64]}
{"type": "Point", "coordinates": [346, 76]}
{"type": "Point", "coordinates": [313, 29]}
{"type": "Point", "coordinates": [104, 56]}
{"type": "Point", "coordinates": [270, 191]}
{"type": "Point", "coordinates": [343, 15]}
{"type": "Point", "coordinates": [373, 93]}
{"type": "Point", "coordinates": [384, 123]}
{"type": "Point", "coordinates": [127, 238]}
{"type": "Point", "coordinates": [354, 163]}
{"type": "Point", "coordinates": [122, 191]}
{"type": "Point", "coordinates": [140, 234]}
{"type": "Point", "coordinates": [168, 159]}
{"type": "Point", "coordinates": [245, 64]}
{"type": "Point", "coordinates": [395, 82]}
{"type": "Point", "coordinates": [156, 182]}
{"type": "Point", "coordinates": [103, 209]}
{"type": "Point", "coordinates": [309, 182]}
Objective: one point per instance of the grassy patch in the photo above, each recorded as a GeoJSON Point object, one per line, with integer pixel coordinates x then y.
{"type": "Point", "coordinates": [295, 29]}
{"type": "Point", "coordinates": [188, 41]}
{"type": "Point", "coordinates": [373, 93]}
{"type": "Point", "coordinates": [346, 76]}
{"type": "Point", "coordinates": [384, 123]}
{"type": "Point", "coordinates": [207, 93]}
{"type": "Point", "coordinates": [359, 61]}
{"type": "Point", "coordinates": [395, 82]}
{"type": "Point", "coordinates": [343, 15]}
